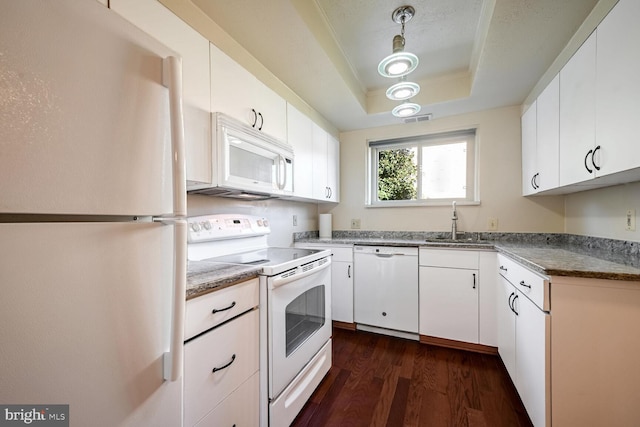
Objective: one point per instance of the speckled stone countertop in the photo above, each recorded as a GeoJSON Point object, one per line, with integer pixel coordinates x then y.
{"type": "Point", "coordinates": [204, 277]}
{"type": "Point", "coordinates": [548, 254]}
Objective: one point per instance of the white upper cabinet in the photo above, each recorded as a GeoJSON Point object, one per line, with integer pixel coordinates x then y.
{"type": "Point", "coordinates": [617, 88]}
{"type": "Point", "coordinates": [158, 21]}
{"type": "Point", "coordinates": [300, 136]}
{"type": "Point", "coordinates": [577, 115]}
{"type": "Point", "coordinates": [237, 93]}
{"type": "Point", "coordinates": [326, 166]}
{"type": "Point", "coordinates": [333, 168]}
{"type": "Point", "coordinates": [548, 137]}
{"type": "Point", "coordinates": [529, 158]}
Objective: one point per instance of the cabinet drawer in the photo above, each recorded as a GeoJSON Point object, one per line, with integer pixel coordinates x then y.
{"type": "Point", "coordinates": [241, 408]}
{"type": "Point", "coordinates": [199, 311]}
{"type": "Point", "coordinates": [342, 254]}
{"type": "Point", "coordinates": [205, 389]}
{"type": "Point", "coordinates": [529, 283]}
{"type": "Point", "coordinates": [449, 258]}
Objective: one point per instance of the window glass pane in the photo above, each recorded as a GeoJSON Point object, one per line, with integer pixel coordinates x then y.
{"type": "Point", "coordinates": [303, 317]}
{"type": "Point", "coordinates": [397, 174]}
{"type": "Point", "coordinates": [444, 171]}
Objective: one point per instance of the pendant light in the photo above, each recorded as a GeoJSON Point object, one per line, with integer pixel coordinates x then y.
{"type": "Point", "coordinates": [406, 109]}
{"type": "Point", "coordinates": [403, 90]}
{"type": "Point", "coordinates": [399, 63]}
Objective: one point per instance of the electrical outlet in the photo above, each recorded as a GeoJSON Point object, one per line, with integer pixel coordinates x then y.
{"type": "Point", "coordinates": [631, 220]}
{"type": "Point", "coordinates": [295, 220]}
{"type": "Point", "coordinates": [355, 223]}
{"type": "Point", "coordinates": [492, 224]}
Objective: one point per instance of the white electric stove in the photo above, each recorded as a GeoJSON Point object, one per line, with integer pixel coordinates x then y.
{"type": "Point", "coordinates": [295, 307]}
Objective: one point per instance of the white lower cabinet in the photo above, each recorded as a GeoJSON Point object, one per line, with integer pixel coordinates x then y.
{"type": "Point", "coordinates": [457, 295]}
{"type": "Point", "coordinates": [524, 336]}
{"type": "Point", "coordinates": [221, 380]}
{"type": "Point", "coordinates": [341, 280]}
{"type": "Point", "coordinates": [449, 286]}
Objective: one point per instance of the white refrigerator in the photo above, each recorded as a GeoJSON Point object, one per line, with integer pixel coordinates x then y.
{"type": "Point", "coordinates": [92, 207]}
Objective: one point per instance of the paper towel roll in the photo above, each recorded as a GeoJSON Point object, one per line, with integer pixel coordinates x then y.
{"type": "Point", "coordinates": [325, 226]}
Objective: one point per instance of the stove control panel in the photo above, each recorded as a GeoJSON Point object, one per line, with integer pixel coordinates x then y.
{"type": "Point", "coordinates": [226, 226]}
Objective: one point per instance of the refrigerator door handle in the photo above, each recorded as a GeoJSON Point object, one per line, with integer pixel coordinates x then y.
{"type": "Point", "coordinates": [172, 79]}
{"type": "Point", "coordinates": [173, 359]}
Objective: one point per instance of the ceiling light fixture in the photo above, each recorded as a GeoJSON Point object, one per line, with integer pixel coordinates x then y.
{"type": "Point", "coordinates": [406, 109]}
{"type": "Point", "coordinates": [399, 63]}
{"type": "Point", "coordinates": [403, 90]}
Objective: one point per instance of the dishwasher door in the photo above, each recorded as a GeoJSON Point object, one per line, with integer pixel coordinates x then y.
{"type": "Point", "coordinates": [386, 287]}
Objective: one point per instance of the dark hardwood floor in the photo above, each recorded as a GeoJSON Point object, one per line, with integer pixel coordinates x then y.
{"type": "Point", "coordinates": [378, 380]}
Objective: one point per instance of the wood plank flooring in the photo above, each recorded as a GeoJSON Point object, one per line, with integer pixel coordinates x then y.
{"type": "Point", "coordinates": [378, 380]}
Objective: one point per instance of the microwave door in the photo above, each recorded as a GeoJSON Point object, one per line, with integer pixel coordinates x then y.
{"type": "Point", "coordinates": [250, 166]}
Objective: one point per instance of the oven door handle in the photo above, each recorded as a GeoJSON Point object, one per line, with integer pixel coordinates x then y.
{"type": "Point", "coordinates": [299, 274]}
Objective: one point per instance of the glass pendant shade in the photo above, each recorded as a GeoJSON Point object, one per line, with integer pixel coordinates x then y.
{"type": "Point", "coordinates": [406, 109]}
{"type": "Point", "coordinates": [403, 90]}
{"type": "Point", "coordinates": [399, 63]}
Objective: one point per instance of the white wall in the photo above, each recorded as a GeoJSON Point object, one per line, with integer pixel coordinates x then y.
{"type": "Point", "coordinates": [498, 135]}
{"type": "Point", "coordinates": [602, 213]}
{"type": "Point", "coordinates": [278, 212]}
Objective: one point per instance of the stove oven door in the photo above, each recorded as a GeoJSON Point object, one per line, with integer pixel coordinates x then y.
{"type": "Point", "coordinates": [299, 321]}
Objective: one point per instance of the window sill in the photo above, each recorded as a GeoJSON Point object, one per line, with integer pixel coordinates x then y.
{"type": "Point", "coordinates": [410, 204]}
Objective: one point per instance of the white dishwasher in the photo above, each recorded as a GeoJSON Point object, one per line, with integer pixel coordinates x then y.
{"type": "Point", "coordinates": [386, 287]}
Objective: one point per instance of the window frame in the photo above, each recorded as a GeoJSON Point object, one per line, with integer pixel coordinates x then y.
{"type": "Point", "coordinates": [419, 141]}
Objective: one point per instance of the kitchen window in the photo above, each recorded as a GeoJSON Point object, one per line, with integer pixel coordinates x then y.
{"type": "Point", "coordinates": [424, 170]}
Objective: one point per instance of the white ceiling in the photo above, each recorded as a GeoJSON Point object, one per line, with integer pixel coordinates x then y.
{"type": "Point", "coordinates": [474, 54]}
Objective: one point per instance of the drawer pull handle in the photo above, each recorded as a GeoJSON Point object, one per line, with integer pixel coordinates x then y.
{"type": "Point", "coordinates": [214, 370]}
{"type": "Point", "coordinates": [218, 310]}
{"type": "Point", "coordinates": [524, 284]}
{"type": "Point", "coordinates": [503, 268]}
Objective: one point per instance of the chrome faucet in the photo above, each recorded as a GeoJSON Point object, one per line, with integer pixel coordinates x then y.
{"type": "Point", "coordinates": [454, 223]}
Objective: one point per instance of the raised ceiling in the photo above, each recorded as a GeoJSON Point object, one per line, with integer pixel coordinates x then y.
{"type": "Point", "coordinates": [474, 54]}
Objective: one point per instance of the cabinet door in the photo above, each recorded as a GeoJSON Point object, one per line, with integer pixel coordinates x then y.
{"type": "Point", "coordinates": [342, 291]}
{"type": "Point", "coordinates": [449, 303]}
{"type": "Point", "coordinates": [239, 94]}
{"type": "Point", "coordinates": [333, 168]}
{"type": "Point", "coordinates": [577, 114]}
{"type": "Point", "coordinates": [272, 110]}
{"type": "Point", "coordinates": [320, 159]}
{"type": "Point", "coordinates": [507, 327]}
{"type": "Point", "coordinates": [158, 21]}
{"type": "Point", "coordinates": [532, 377]}
{"type": "Point", "coordinates": [617, 88]}
{"type": "Point", "coordinates": [548, 137]}
{"type": "Point", "coordinates": [231, 87]}
{"type": "Point", "coordinates": [529, 159]}
{"type": "Point", "coordinates": [300, 136]}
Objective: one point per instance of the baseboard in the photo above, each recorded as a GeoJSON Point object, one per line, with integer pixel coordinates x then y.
{"type": "Point", "coordinates": [344, 325]}
{"type": "Point", "coordinates": [442, 342]}
{"type": "Point", "coordinates": [390, 332]}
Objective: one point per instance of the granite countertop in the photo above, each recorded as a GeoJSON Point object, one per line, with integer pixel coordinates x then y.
{"type": "Point", "coordinates": [204, 277]}
{"type": "Point", "coordinates": [548, 254]}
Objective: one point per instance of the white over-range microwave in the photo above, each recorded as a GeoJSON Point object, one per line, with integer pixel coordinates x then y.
{"type": "Point", "coordinates": [247, 163]}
